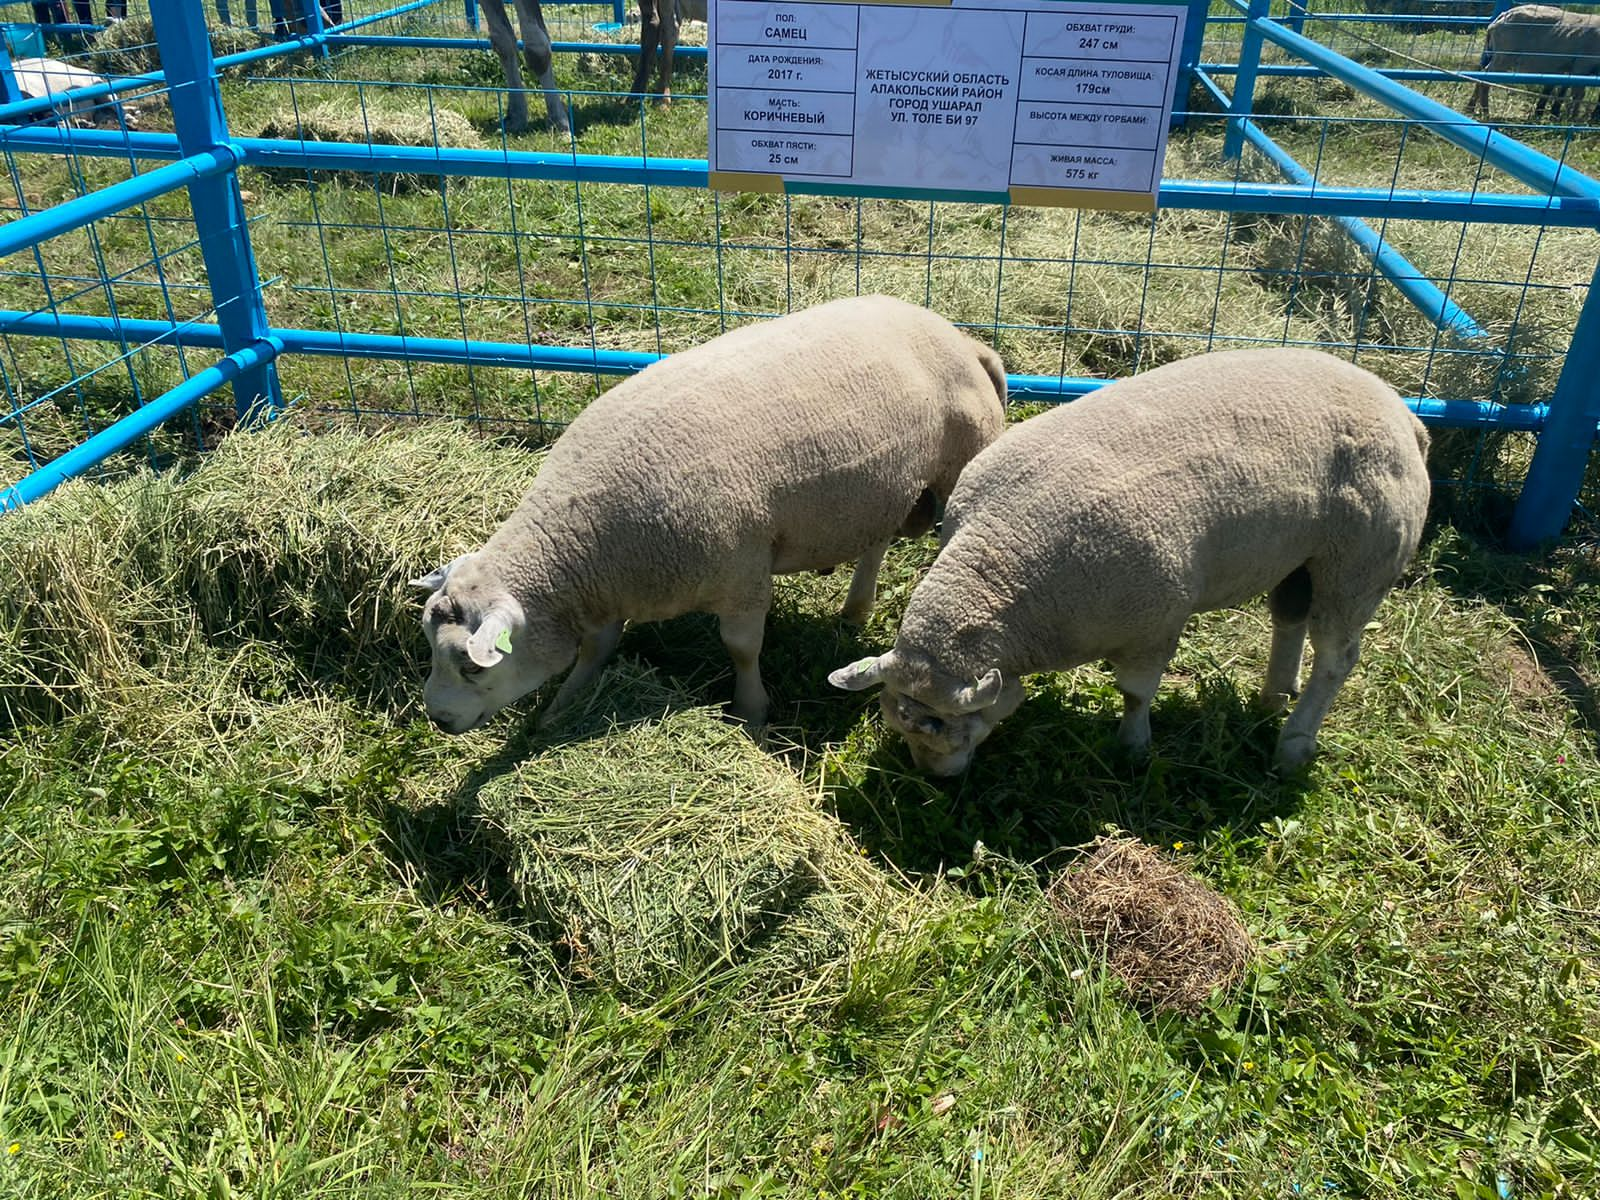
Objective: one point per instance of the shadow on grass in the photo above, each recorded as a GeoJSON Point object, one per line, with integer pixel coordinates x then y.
{"type": "Point", "coordinates": [1054, 776]}
{"type": "Point", "coordinates": [1553, 600]}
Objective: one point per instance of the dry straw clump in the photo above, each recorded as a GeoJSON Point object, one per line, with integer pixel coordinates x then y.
{"type": "Point", "coordinates": [1169, 938]}
{"type": "Point", "coordinates": [128, 47]}
{"type": "Point", "coordinates": [367, 120]}
{"type": "Point", "coordinates": [669, 846]}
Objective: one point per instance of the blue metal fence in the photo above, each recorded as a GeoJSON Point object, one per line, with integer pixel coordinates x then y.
{"type": "Point", "coordinates": [580, 260]}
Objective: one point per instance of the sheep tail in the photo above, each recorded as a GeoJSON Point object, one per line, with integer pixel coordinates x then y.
{"type": "Point", "coordinates": [996, 370]}
{"type": "Point", "coordinates": [1421, 432]}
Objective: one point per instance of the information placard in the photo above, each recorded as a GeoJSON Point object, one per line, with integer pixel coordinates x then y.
{"type": "Point", "coordinates": [1025, 101]}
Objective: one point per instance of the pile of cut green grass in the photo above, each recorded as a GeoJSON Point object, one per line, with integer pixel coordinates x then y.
{"type": "Point", "coordinates": [376, 121]}
{"type": "Point", "coordinates": [671, 847]}
{"type": "Point", "coordinates": [113, 595]}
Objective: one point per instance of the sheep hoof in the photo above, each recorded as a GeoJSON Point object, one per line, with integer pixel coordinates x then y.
{"type": "Point", "coordinates": [855, 617]}
{"type": "Point", "coordinates": [1275, 702]}
{"type": "Point", "coordinates": [753, 719]}
{"type": "Point", "coordinates": [1295, 752]}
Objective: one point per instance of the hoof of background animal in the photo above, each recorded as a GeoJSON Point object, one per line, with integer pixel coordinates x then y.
{"type": "Point", "coordinates": [855, 617]}
{"type": "Point", "coordinates": [548, 718]}
{"type": "Point", "coordinates": [1294, 753]}
{"type": "Point", "coordinates": [509, 125]}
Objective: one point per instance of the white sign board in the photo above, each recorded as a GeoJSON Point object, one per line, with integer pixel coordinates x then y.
{"type": "Point", "coordinates": [1024, 101]}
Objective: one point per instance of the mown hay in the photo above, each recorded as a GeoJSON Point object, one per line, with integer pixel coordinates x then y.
{"type": "Point", "coordinates": [370, 121]}
{"type": "Point", "coordinates": [670, 846]}
{"type": "Point", "coordinates": [302, 542]}
{"type": "Point", "coordinates": [1169, 938]}
{"type": "Point", "coordinates": [128, 47]}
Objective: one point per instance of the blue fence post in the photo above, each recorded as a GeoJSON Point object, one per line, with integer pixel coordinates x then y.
{"type": "Point", "coordinates": [472, 14]}
{"type": "Point", "coordinates": [1555, 477]}
{"type": "Point", "coordinates": [10, 93]}
{"type": "Point", "coordinates": [1297, 16]}
{"type": "Point", "coordinates": [1244, 83]}
{"type": "Point", "coordinates": [619, 14]}
{"type": "Point", "coordinates": [219, 218]}
{"type": "Point", "coordinates": [314, 26]}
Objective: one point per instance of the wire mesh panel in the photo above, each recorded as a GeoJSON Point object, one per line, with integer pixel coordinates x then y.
{"type": "Point", "coordinates": [506, 278]}
{"type": "Point", "coordinates": [141, 265]}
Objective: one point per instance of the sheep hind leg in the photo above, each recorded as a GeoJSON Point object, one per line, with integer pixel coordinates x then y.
{"type": "Point", "coordinates": [924, 515]}
{"type": "Point", "coordinates": [742, 634]}
{"type": "Point", "coordinates": [669, 44]}
{"type": "Point", "coordinates": [593, 651]}
{"type": "Point", "coordinates": [864, 585]}
{"type": "Point", "coordinates": [649, 38]}
{"type": "Point", "coordinates": [1290, 605]}
{"type": "Point", "coordinates": [1336, 642]}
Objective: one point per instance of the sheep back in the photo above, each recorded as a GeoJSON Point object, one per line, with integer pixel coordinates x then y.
{"type": "Point", "coordinates": [1101, 526]}
{"type": "Point", "coordinates": [1542, 39]}
{"type": "Point", "coordinates": [786, 445]}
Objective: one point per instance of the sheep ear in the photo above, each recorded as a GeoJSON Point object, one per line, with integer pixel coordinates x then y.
{"type": "Point", "coordinates": [979, 695]}
{"type": "Point", "coordinates": [435, 579]}
{"type": "Point", "coordinates": [491, 640]}
{"type": "Point", "coordinates": [859, 676]}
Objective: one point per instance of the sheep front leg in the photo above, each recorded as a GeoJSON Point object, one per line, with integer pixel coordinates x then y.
{"type": "Point", "coordinates": [593, 651]}
{"type": "Point", "coordinates": [1137, 680]}
{"type": "Point", "coordinates": [742, 634]}
{"type": "Point", "coordinates": [864, 585]}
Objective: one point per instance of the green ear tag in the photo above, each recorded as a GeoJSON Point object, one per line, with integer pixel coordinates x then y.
{"type": "Point", "coordinates": [503, 642]}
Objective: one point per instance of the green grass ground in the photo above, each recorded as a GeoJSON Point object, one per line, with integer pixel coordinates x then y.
{"type": "Point", "coordinates": [256, 941]}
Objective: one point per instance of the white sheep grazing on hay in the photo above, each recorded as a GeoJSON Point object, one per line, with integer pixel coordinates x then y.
{"type": "Point", "coordinates": [536, 45]}
{"type": "Point", "coordinates": [1096, 530]}
{"type": "Point", "coordinates": [1540, 39]}
{"type": "Point", "coordinates": [39, 77]}
{"type": "Point", "coordinates": [788, 445]}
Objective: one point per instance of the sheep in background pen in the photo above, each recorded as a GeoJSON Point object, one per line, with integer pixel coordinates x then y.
{"type": "Point", "coordinates": [39, 77]}
{"type": "Point", "coordinates": [1540, 39]}
{"type": "Point", "coordinates": [659, 21]}
{"type": "Point", "coordinates": [1096, 530]}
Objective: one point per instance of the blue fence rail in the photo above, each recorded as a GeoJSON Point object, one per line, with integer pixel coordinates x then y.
{"type": "Point", "coordinates": [202, 157]}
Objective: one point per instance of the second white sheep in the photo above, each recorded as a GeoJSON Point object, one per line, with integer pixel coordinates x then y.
{"type": "Point", "coordinates": [1096, 530]}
